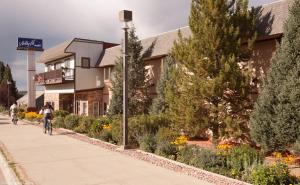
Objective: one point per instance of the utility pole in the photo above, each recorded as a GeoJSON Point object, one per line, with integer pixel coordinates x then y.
{"type": "Point", "coordinates": [125, 16]}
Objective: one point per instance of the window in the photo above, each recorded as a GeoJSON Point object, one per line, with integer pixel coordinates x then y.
{"type": "Point", "coordinates": [96, 109]}
{"type": "Point", "coordinates": [68, 63]}
{"type": "Point", "coordinates": [105, 109]}
{"type": "Point", "coordinates": [85, 62]}
{"type": "Point", "coordinates": [58, 66]}
{"type": "Point", "coordinates": [78, 107]}
{"type": "Point", "coordinates": [84, 108]}
{"type": "Point", "coordinates": [107, 73]}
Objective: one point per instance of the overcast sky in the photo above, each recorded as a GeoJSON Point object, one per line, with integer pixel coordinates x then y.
{"type": "Point", "coordinates": [58, 20]}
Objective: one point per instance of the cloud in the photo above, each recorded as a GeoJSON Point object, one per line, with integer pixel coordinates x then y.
{"type": "Point", "coordinates": [58, 20]}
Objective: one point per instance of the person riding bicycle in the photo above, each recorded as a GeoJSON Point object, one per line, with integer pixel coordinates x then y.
{"type": "Point", "coordinates": [47, 111]}
{"type": "Point", "coordinates": [13, 111]}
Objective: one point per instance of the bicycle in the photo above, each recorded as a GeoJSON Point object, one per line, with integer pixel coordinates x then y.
{"type": "Point", "coordinates": [14, 119]}
{"type": "Point", "coordinates": [48, 127]}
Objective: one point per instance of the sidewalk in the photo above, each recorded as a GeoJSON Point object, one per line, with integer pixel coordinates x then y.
{"type": "Point", "coordinates": [61, 160]}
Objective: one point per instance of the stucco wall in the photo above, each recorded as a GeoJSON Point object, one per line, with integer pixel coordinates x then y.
{"type": "Point", "coordinates": [85, 78]}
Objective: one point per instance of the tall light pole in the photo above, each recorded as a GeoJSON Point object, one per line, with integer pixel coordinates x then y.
{"type": "Point", "coordinates": [125, 16]}
{"type": "Point", "coordinates": [8, 93]}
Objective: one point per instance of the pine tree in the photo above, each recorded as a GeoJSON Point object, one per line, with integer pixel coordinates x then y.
{"type": "Point", "coordinates": [137, 83]}
{"type": "Point", "coordinates": [6, 75]}
{"type": "Point", "coordinates": [275, 122]}
{"type": "Point", "coordinates": [212, 86]}
{"type": "Point", "coordinates": [159, 104]}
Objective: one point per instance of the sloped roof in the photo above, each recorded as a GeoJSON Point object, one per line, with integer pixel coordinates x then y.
{"type": "Point", "coordinates": [24, 99]}
{"type": "Point", "coordinates": [273, 17]}
{"type": "Point", "coordinates": [55, 52]}
{"type": "Point", "coordinates": [271, 21]}
{"type": "Point", "coordinates": [154, 46]}
{"type": "Point", "coordinates": [59, 51]}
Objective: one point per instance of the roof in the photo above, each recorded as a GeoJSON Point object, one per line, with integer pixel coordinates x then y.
{"type": "Point", "coordinates": [159, 45]}
{"type": "Point", "coordinates": [55, 52]}
{"type": "Point", "coordinates": [272, 17]}
{"type": "Point", "coordinates": [24, 99]}
{"type": "Point", "coordinates": [59, 51]}
{"type": "Point", "coordinates": [271, 20]}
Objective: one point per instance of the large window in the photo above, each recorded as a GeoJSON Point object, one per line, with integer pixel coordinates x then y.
{"type": "Point", "coordinates": [96, 111]}
{"type": "Point", "coordinates": [85, 62]}
{"type": "Point", "coordinates": [58, 65]}
{"type": "Point", "coordinates": [107, 73]}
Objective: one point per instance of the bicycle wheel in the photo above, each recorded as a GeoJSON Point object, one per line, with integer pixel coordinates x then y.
{"type": "Point", "coordinates": [49, 128]}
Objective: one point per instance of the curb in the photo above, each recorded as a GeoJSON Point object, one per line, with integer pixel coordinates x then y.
{"type": "Point", "coordinates": [9, 175]}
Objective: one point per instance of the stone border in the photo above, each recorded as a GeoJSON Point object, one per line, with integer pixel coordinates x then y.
{"type": "Point", "coordinates": [151, 158]}
{"type": "Point", "coordinates": [9, 176]}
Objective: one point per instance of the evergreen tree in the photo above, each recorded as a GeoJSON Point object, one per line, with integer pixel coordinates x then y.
{"type": "Point", "coordinates": [137, 83]}
{"type": "Point", "coordinates": [159, 104]}
{"type": "Point", "coordinates": [212, 86]}
{"type": "Point", "coordinates": [5, 75]}
{"type": "Point", "coordinates": [276, 118]}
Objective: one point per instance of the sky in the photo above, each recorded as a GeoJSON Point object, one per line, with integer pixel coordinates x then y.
{"type": "Point", "coordinates": [56, 21]}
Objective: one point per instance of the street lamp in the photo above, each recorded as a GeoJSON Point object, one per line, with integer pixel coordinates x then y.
{"type": "Point", "coordinates": [125, 16]}
{"type": "Point", "coordinates": [8, 93]}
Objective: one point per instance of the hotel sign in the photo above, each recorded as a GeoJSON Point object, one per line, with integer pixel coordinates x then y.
{"type": "Point", "coordinates": [30, 44]}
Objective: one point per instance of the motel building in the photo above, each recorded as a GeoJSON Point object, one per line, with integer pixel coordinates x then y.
{"type": "Point", "coordinates": [78, 73]}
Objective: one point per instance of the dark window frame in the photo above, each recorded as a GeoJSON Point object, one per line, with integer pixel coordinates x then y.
{"type": "Point", "coordinates": [89, 62]}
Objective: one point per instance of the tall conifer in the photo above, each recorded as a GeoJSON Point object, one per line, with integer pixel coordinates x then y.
{"type": "Point", "coordinates": [275, 122]}
{"type": "Point", "coordinates": [137, 82]}
{"type": "Point", "coordinates": [212, 89]}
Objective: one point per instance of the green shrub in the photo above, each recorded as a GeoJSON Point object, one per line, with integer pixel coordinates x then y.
{"type": "Point", "coordinates": [60, 113]}
{"type": "Point", "coordinates": [95, 129]}
{"type": "Point", "coordinates": [106, 135]}
{"type": "Point", "coordinates": [71, 121]}
{"type": "Point", "coordinates": [167, 149]}
{"type": "Point", "coordinates": [147, 143]}
{"type": "Point", "coordinates": [295, 149]}
{"type": "Point", "coordinates": [240, 158]}
{"type": "Point", "coordinates": [207, 159]}
{"type": "Point", "coordinates": [2, 109]}
{"type": "Point", "coordinates": [271, 175]}
{"type": "Point", "coordinates": [186, 154]}
{"type": "Point", "coordinates": [85, 123]}
{"type": "Point", "coordinates": [165, 134]}
{"type": "Point", "coordinates": [59, 122]}
{"type": "Point", "coordinates": [21, 115]}
{"type": "Point", "coordinates": [117, 130]}
{"type": "Point", "coordinates": [145, 125]}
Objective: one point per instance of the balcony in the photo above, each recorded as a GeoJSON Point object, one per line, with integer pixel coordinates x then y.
{"type": "Point", "coordinates": [58, 76]}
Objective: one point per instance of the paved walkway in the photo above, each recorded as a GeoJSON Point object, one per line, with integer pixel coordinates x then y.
{"type": "Point", "coordinates": [61, 160]}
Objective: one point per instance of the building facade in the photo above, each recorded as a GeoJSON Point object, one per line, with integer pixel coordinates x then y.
{"type": "Point", "coordinates": [78, 73]}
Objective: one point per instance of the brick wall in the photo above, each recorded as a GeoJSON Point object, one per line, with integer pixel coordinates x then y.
{"type": "Point", "coordinates": [91, 96]}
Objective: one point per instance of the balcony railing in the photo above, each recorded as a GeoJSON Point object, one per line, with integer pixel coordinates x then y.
{"type": "Point", "coordinates": [58, 76]}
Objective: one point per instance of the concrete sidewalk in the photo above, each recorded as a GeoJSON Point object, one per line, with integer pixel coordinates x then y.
{"type": "Point", "coordinates": [61, 160]}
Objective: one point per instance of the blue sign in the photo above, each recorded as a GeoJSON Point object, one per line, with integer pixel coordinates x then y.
{"type": "Point", "coordinates": [30, 44]}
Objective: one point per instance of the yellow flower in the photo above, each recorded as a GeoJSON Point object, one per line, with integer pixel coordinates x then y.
{"type": "Point", "coordinates": [277, 155]}
{"type": "Point", "coordinates": [289, 159]}
{"type": "Point", "coordinates": [181, 140]}
{"type": "Point", "coordinates": [107, 126]}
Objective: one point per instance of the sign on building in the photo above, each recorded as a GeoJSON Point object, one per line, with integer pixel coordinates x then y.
{"type": "Point", "coordinates": [30, 44]}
